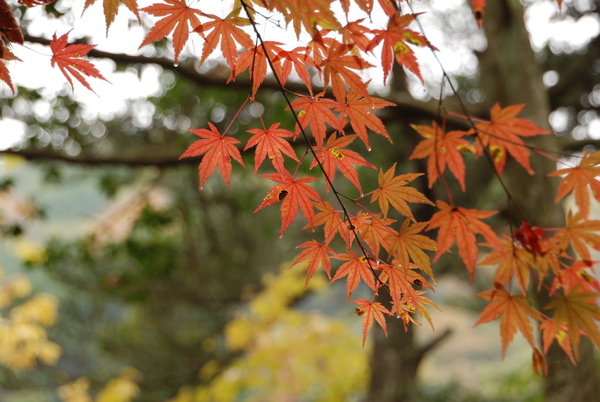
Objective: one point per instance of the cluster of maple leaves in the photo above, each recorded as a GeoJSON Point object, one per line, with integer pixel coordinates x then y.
{"type": "Point", "coordinates": [372, 247]}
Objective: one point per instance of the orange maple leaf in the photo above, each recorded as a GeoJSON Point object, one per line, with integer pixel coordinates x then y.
{"type": "Point", "coordinates": [271, 143]}
{"type": "Point", "coordinates": [577, 311]}
{"type": "Point", "coordinates": [293, 194]}
{"type": "Point", "coordinates": [395, 39]}
{"type": "Point", "coordinates": [111, 8]}
{"type": "Point", "coordinates": [551, 331]}
{"type": "Point", "coordinates": [338, 71]}
{"type": "Point", "coordinates": [407, 244]}
{"type": "Point", "coordinates": [299, 59]}
{"type": "Point", "coordinates": [355, 268]}
{"type": "Point", "coordinates": [575, 275]}
{"type": "Point", "coordinates": [580, 180]}
{"type": "Point", "coordinates": [581, 234]}
{"type": "Point", "coordinates": [255, 61]}
{"type": "Point", "coordinates": [373, 229]}
{"type": "Point", "coordinates": [443, 151]}
{"type": "Point", "coordinates": [359, 111]}
{"type": "Point", "coordinates": [460, 225]}
{"type": "Point", "coordinates": [335, 156]}
{"type": "Point", "coordinates": [503, 134]}
{"type": "Point", "coordinates": [512, 261]}
{"type": "Point", "coordinates": [314, 112]}
{"type": "Point", "coordinates": [333, 223]}
{"type": "Point", "coordinates": [371, 310]}
{"type": "Point", "coordinates": [514, 311]}
{"type": "Point", "coordinates": [69, 61]}
{"type": "Point", "coordinates": [219, 150]}
{"type": "Point", "coordinates": [478, 11]}
{"type": "Point", "coordinates": [306, 14]}
{"type": "Point", "coordinates": [178, 18]}
{"type": "Point", "coordinates": [227, 32]}
{"type": "Point", "coordinates": [393, 190]}
{"type": "Point", "coordinates": [4, 73]}
{"type": "Point", "coordinates": [317, 254]}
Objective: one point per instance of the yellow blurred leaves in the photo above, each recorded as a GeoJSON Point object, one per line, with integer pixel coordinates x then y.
{"type": "Point", "coordinates": [119, 389]}
{"type": "Point", "coordinates": [23, 338]}
{"type": "Point", "coordinates": [287, 353]}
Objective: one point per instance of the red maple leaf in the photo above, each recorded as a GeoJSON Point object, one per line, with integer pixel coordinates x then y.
{"type": "Point", "coordinates": [395, 39]}
{"type": "Point", "coordinates": [514, 311]}
{"type": "Point", "coordinates": [580, 180]}
{"type": "Point", "coordinates": [177, 18]}
{"type": "Point", "coordinates": [356, 268]}
{"type": "Point", "coordinates": [227, 32]}
{"type": "Point", "coordinates": [460, 225]}
{"type": "Point", "coordinates": [271, 143]}
{"type": "Point", "coordinates": [293, 194]}
{"type": "Point", "coordinates": [314, 112]}
{"type": "Point", "coordinates": [393, 190]}
{"type": "Point", "coordinates": [371, 310]}
{"type": "Point", "coordinates": [69, 61]}
{"type": "Point", "coordinates": [512, 261]}
{"type": "Point", "coordinates": [359, 111]}
{"type": "Point", "coordinates": [335, 156]}
{"type": "Point", "coordinates": [219, 150]}
{"type": "Point", "coordinates": [503, 134]}
{"type": "Point", "coordinates": [4, 73]}
{"type": "Point", "coordinates": [443, 151]}
{"type": "Point", "coordinates": [317, 254]}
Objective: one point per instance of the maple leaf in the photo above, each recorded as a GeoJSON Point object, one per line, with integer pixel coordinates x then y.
{"type": "Point", "coordinates": [255, 61]}
{"type": "Point", "coordinates": [334, 155]}
{"type": "Point", "coordinates": [355, 268]}
{"type": "Point", "coordinates": [4, 73]}
{"type": "Point", "coordinates": [580, 180]}
{"type": "Point", "coordinates": [460, 225]}
{"type": "Point", "coordinates": [178, 18]}
{"type": "Point", "coordinates": [359, 111]}
{"type": "Point", "coordinates": [392, 190]}
{"type": "Point", "coordinates": [551, 331]}
{"type": "Point", "coordinates": [399, 285]}
{"type": "Point", "coordinates": [219, 150]}
{"type": "Point", "coordinates": [407, 244]}
{"type": "Point", "coordinates": [333, 223]}
{"type": "Point", "coordinates": [373, 229]}
{"type": "Point", "coordinates": [581, 233]}
{"type": "Point", "coordinates": [306, 13]}
{"type": "Point", "coordinates": [478, 11]}
{"type": "Point", "coordinates": [337, 71]}
{"type": "Point", "coordinates": [315, 111]}
{"type": "Point", "coordinates": [69, 61]}
{"type": "Point", "coordinates": [271, 142]}
{"type": "Point", "coordinates": [514, 311]}
{"type": "Point", "coordinates": [293, 194]}
{"type": "Point", "coordinates": [503, 134]}
{"type": "Point", "coordinates": [299, 59]}
{"type": "Point", "coordinates": [511, 261]}
{"type": "Point", "coordinates": [227, 32]}
{"type": "Point", "coordinates": [577, 311]}
{"type": "Point", "coordinates": [111, 8]}
{"type": "Point", "coordinates": [443, 151]}
{"type": "Point", "coordinates": [395, 39]}
{"type": "Point", "coordinates": [371, 310]}
{"type": "Point", "coordinates": [317, 254]}
{"type": "Point", "coordinates": [353, 33]}
{"type": "Point", "coordinates": [575, 275]}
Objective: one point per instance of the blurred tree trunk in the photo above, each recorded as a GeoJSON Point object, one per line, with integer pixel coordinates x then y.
{"type": "Point", "coordinates": [511, 75]}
